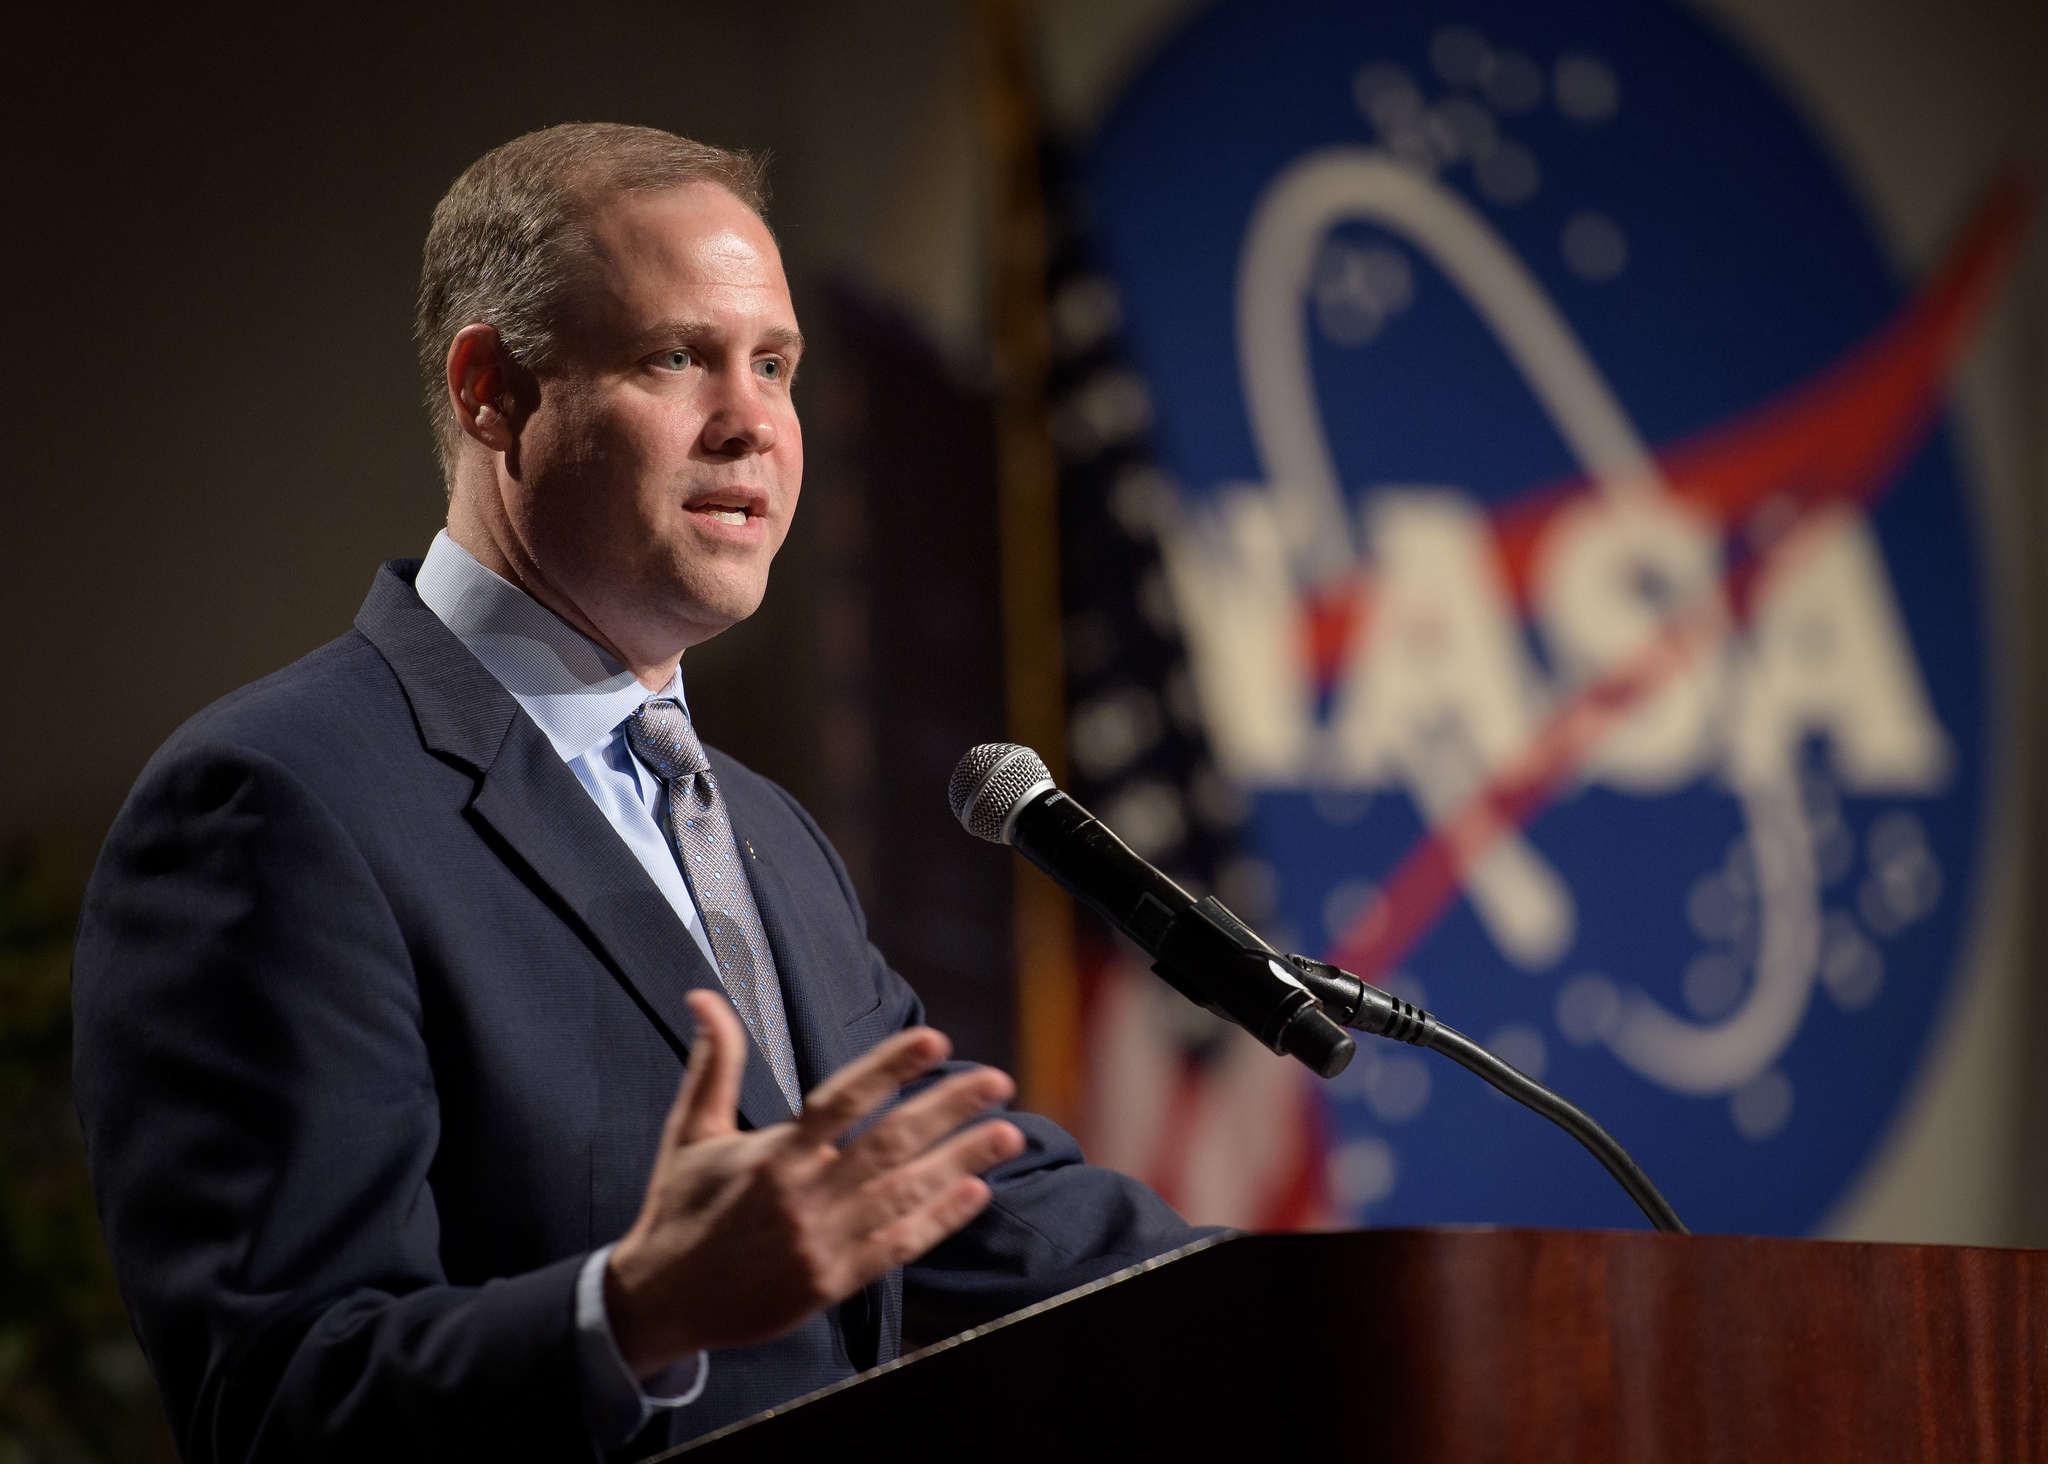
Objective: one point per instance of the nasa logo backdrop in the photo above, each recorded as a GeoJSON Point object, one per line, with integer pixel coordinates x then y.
{"type": "Point", "coordinates": [1575, 574]}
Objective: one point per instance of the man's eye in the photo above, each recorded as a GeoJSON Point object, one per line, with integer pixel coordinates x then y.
{"type": "Point", "coordinates": [676, 360]}
{"type": "Point", "coordinates": [770, 368]}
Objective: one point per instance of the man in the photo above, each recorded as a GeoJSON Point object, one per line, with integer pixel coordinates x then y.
{"type": "Point", "coordinates": [391, 961]}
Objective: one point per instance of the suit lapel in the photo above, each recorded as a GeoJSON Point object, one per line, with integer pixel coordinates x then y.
{"type": "Point", "coordinates": [533, 802]}
{"type": "Point", "coordinates": [533, 805]}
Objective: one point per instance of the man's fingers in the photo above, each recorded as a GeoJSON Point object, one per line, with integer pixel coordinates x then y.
{"type": "Point", "coordinates": [944, 1209]}
{"type": "Point", "coordinates": [850, 1094]}
{"type": "Point", "coordinates": [918, 1124]}
{"type": "Point", "coordinates": [903, 1190]}
{"type": "Point", "coordinates": [708, 1104]}
{"type": "Point", "coordinates": [904, 1240]}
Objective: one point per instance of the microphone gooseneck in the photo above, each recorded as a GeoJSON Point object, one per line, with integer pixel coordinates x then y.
{"type": "Point", "coordinates": [1003, 793]}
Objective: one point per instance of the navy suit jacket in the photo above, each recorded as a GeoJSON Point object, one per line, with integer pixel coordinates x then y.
{"type": "Point", "coordinates": [377, 1020]}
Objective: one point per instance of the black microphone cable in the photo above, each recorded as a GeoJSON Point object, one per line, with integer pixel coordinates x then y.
{"type": "Point", "coordinates": [1351, 1002]}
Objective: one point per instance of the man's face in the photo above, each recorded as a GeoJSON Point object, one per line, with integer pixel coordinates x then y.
{"type": "Point", "coordinates": [657, 477]}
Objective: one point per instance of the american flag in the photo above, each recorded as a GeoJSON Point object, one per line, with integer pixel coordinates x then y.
{"type": "Point", "coordinates": [1226, 1131]}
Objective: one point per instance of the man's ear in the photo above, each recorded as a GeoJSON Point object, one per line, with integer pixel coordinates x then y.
{"type": "Point", "coordinates": [490, 392]}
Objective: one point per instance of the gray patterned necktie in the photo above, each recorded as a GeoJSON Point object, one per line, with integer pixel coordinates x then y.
{"type": "Point", "coordinates": [661, 737]}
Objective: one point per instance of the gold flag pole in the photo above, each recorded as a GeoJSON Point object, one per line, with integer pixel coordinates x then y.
{"type": "Point", "coordinates": [1048, 994]}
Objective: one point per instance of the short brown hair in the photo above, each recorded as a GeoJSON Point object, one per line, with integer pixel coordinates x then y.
{"type": "Point", "coordinates": [507, 237]}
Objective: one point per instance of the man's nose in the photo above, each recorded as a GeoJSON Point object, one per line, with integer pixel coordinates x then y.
{"type": "Point", "coordinates": [740, 421]}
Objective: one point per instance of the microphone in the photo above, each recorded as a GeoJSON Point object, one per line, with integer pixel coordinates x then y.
{"type": "Point", "coordinates": [1003, 793]}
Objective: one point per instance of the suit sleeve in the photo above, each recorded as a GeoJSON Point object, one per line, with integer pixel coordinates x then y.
{"type": "Point", "coordinates": [261, 1118]}
{"type": "Point", "coordinates": [1055, 1222]}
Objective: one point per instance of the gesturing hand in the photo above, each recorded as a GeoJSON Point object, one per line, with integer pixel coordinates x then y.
{"type": "Point", "coordinates": [744, 1235]}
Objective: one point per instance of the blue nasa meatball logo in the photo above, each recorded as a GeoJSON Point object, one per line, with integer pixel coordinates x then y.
{"type": "Point", "coordinates": [1574, 572]}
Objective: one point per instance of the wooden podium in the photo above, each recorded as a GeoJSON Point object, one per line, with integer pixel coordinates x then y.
{"type": "Point", "coordinates": [1474, 1344]}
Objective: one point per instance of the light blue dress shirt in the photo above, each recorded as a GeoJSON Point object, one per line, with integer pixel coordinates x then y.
{"type": "Point", "coordinates": [580, 698]}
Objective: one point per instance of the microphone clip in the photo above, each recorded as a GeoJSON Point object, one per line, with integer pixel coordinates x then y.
{"type": "Point", "coordinates": [1209, 956]}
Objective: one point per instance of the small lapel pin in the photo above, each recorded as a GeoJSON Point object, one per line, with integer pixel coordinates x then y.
{"type": "Point", "coordinates": [750, 850]}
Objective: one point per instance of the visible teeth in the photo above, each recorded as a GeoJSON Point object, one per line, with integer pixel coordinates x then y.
{"type": "Point", "coordinates": [728, 515]}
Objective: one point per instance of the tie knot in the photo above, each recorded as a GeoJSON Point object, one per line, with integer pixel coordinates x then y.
{"type": "Point", "coordinates": [662, 737]}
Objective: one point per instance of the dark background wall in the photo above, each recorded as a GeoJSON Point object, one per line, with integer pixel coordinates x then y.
{"type": "Point", "coordinates": [212, 238]}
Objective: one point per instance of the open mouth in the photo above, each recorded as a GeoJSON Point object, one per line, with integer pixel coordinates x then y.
{"type": "Point", "coordinates": [725, 513]}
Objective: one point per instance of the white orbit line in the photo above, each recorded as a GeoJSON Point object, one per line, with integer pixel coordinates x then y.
{"type": "Point", "coordinates": [1702, 1060]}
{"type": "Point", "coordinates": [1298, 209]}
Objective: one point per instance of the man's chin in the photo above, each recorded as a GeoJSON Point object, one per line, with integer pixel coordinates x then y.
{"type": "Point", "coordinates": [711, 610]}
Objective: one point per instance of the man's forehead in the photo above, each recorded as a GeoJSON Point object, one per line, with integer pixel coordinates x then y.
{"type": "Point", "coordinates": [700, 228]}
{"type": "Point", "coordinates": [686, 255]}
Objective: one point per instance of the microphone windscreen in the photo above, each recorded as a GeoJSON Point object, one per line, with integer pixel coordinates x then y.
{"type": "Point", "coordinates": [989, 785]}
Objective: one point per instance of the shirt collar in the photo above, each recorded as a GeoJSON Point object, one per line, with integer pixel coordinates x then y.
{"type": "Point", "coordinates": [575, 692]}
